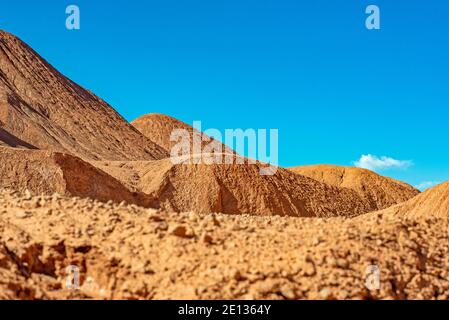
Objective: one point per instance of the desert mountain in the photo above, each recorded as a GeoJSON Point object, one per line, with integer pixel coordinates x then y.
{"type": "Point", "coordinates": [47, 172]}
{"type": "Point", "coordinates": [159, 128]}
{"type": "Point", "coordinates": [230, 189]}
{"type": "Point", "coordinates": [235, 189]}
{"type": "Point", "coordinates": [431, 203]}
{"type": "Point", "coordinates": [378, 191]}
{"type": "Point", "coordinates": [42, 108]}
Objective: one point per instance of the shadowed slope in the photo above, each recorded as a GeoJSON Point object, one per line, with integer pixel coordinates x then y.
{"type": "Point", "coordinates": [7, 139]}
{"type": "Point", "coordinates": [46, 172]}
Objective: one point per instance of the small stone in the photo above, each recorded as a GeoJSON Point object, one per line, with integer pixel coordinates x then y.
{"type": "Point", "coordinates": [342, 263]}
{"type": "Point", "coordinates": [206, 238]}
{"type": "Point", "coordinates": [155, 217]}
{"type": "Point", "coordinates": [237, 276]}
{"type": "Point", "coordinates": [309, 269]}
{"type": "Point", "coordinates": [193, 217]}
{"type": "Point", "coordinates": [325, 294]}
{"type": "Point", "coordinates": [316, 241]}
{"type": "Point", "coordinates": [288, 293]}
{"type": "Point", "coordinates": [32, 204]}
{"type": "Point", "coordinates": [214, 220]}
{"type": "Point", "coordinates": [23, 214]}
{"type": "Point", "coordinates": [162, 226]}
{"type": "Point", "coordinates": [181, 231]}
{"type": "Point", "coordinates": [236, 227]}
{"type": "Point", "coordinates": [78, 233]}
{"type": "Point", "coordinates": [27, 195]}
{"type": "Point", "coordinates": [122, 204]}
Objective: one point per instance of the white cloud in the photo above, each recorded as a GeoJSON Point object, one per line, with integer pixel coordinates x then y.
{"type": "Point", "coordinates": [426, 185]}
{"type": "Point", "coordinates": [375, 163]}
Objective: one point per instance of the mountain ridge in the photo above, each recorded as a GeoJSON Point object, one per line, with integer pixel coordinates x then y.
{"type": "Point", "coordinates": [45, 109]}
{"type": "Point", "coordinates": [379, 191]}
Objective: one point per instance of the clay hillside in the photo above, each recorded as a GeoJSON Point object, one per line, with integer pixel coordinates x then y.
{"type": "Point", "coordinates": [47, 172]}
{"type": "Point", "coordinates": [40, 107]}
{"type": "Point", "coordinates": [234, 189]}
{"type": "Point", "coordinates": [431, 203]}
{"type": "Point", "coordinates": [378, 191]}
{"type": "Point", "coordinates": [160, 127]}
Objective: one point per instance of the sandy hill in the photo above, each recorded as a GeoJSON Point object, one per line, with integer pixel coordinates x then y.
{"type": "Point", "coordinates": [235, 189]}
{"type": "Point", "coordinates": [431, 203]}
{"type": "Point", "coordinates": [159, 128]}
{"type": "Point", "coordinates": [42, 108]}
{"type": "Point", "coordinates": [46, 172]}
{"type": "Point", "coordinates": [380, 192]}
{"type": "Point", "coordinates": [127, 252]}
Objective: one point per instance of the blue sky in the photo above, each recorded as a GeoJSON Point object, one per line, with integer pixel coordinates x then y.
{"type": "Point", "coordinates": [335, 90]}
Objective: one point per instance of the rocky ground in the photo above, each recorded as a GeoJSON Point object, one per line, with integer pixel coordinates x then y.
{"type": "Point", "coordinates": [128, 252]}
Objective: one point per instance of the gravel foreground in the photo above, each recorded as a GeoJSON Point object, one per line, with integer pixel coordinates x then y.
{"type": "Point", "coordinates": [128, 252]}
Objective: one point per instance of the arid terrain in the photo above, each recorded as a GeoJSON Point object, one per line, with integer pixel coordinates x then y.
{"type": "Point", "coordinates": [82, 188]}
{"type": "Point", "coordinates": [127, 252]}
{"type": "Point", "coordinates": [378, 191]}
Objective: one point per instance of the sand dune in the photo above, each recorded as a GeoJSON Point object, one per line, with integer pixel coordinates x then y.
{"type": "Point", "coordinates": [378, 191]}
{"type": "Point", "coordinates": [42, 108]}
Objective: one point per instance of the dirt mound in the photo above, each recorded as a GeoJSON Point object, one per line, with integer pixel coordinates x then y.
{"type": "Point", "coordinates": [431, 203]}
{"type": "Point", "coordinates": [42, 108]}
{"type": "Point", "coordinates": [380, 192]}
{"type": "Point", "coordinates": [235, 189]}
{"type": "Point", "coordinates": [45, 172]}
{"type": "Point", "coordinates": [160, 127]}
{"type": "Point", "coordinates": [126, 252]}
